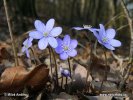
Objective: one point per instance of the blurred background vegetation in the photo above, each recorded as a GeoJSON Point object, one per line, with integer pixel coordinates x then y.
{"type": "Point", "coordinates": [67, 13]}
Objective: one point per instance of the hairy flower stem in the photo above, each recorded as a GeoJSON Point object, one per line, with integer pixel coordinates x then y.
{"type": "Point", "coordinates": [35, 56]}
{"type": "Point", "coordinates": [105, 74]}
{"type": "Point", "coordinates": [56, 70]}
{"type": "Point", "coordinates": [61, 81]}
{"type": "Point", "coordinates": [50, 62]}
{"type": "Point", "coordinates": [66, 80]}
{"type": "Point", "coordinates": [11, 33]}
{"type": "Point", "coordinates": [69, 67]}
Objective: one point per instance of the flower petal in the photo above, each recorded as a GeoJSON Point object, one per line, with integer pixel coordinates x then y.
{"type": "Point", "coordinates": [27, 53]}
{"type": "Point", "coordinates": [36, 34]}
{"type": "Point", "coordinates": [110, 33]}
{"type": "Point", "coordinates": [30, 39]}
{"type": "Point", "coordinates": [23, 49]}
{"type": "Point", "coordinates": [29, 44]}
{"type": "Point", "coordinates": [42, 44]}
{"type": "Point", "coordinates": [39, 25]}
{"type": "Point", "coordinates": [59, 41]}
{"type": "Point", "coordinates": [73, 43]}
{"type": "Point", "coordinates": [115, 43]}
{"type": "Point", "coordinates": [66, 40]}
{"type": "Point", "coordinates": [49, 25]}
{"type": "Point", "coordinates": [53, 42]}
{"type": "Point", "coordinates": [72, 53]}
{"type": "Point", "coordinates": [108, 46]}
{"type": "Point", "coordinates": [78, 28]}
{"type": "Point", "coordinates": [25, 42]}
{"type": "Point", "coordinates": [56, 31]}
{"type": "Point", "coordinates": [59, 49]}
{"type": "Point", "coordinates": [102, 31]}
{"type": "Point", "coordinates": [65, 73]}
{"type": "Point", "coordinates": [63, 56]}
{"type": "Point", "coordinates": [96, 34]}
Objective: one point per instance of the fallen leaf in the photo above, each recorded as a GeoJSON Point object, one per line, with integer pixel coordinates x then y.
{"type": "Point", "coordinates": [38, 76]}
{"type": "Point", "coordinates": [98, 68]}
{"type": "Point", "coordinates": [14, 79]}
{"type": "Point", "coordinates": [4, 54]}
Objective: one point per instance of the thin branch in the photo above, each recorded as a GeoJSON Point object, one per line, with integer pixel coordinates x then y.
{"type": "Point", "coordinates": [130, 26]}
{"type": "Point", "coordinates": [11, 33]}
{"type": "Point", "coordinates": [80, 63]}
{"type": "Point", "coordinates": [121, 27]}
{"type": "Point", "coordinates": [129, 66]}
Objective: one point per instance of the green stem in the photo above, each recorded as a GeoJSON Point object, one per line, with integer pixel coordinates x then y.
{"type": "Point", "coordinates": [11, 33]}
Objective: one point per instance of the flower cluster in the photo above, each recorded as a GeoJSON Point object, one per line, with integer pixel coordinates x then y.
{"type": "Point", "coordinates": [46, 34]}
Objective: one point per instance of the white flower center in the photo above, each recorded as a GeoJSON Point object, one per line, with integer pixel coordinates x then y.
{"type": "Point", "coordinates": [87, 26]}
{"type": "Point", "coordinates": [26, 46]}
{"type": "Point", "coordinates": [65, 48]}
{"type": "Point", "coordinates": [104, 39]}
{"type": "Point", "coordinates": [45, 34]}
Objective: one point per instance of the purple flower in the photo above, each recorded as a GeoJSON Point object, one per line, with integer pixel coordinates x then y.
{"type": "Point", "coordinates": [64, 72]}
{"type": "Point", "coordinates": [66, 47]}
{"type": "Point", "coordinates": [26, 45]}
{"type": "Point", "coordinates": [106, 37]}
{"type": "Point", "coordinates": [46, 33]}
{"type": "Point", "coordinates": [85, 27]}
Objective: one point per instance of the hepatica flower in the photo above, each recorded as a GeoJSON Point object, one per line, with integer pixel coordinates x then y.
{"type": "Point", "coordinates": [106, 37]}
{"type": "Point", "coordinates": [66, 47]}
{"type": "Point", "coordinates": [46, 33]}
{"type": "Point", "coordinates": [26, 45]}
{"type": "Point", "coordinates": [64, 72]}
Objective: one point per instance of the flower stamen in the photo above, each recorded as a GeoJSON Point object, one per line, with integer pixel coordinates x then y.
{"type": "Point", "coordinates": [45, 34]}
{"type": "Point", "coordinates": [26, 46]}
{"type": "Point", "coordinates": [65, 48]}
{"type": "Point", "coordinates": [104, 39]}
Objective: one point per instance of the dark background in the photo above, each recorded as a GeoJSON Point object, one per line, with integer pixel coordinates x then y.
{"type": "Point", "coordinates": [67, 13]}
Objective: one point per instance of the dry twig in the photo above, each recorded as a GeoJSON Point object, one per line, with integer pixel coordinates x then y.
{"type": "Point", "coordinates": [11, 33]}
{"type": "Point", "coordinates": [131, 45]}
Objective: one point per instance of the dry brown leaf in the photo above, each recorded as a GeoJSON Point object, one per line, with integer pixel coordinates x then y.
{"type": "Point", "coordinates": [98, 68]}
{"type": "Point", "coordinates": [38, 76]}
{"type": "Point", "coordinates": [14, 79]}
{"type": "Point", "coordinates": [4, 54]}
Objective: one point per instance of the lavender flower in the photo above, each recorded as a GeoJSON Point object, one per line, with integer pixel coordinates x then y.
{"type": "Point", "coordinates": [106, 38]}
{"type": "Point", "coordinates": [27, 44]}
{"type": "Point", "coordinates": [46, 33]}
{"type": "Point", "coordinates": [66, 47]}
{"type": "Point", "coordinates": [64, 72]}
